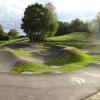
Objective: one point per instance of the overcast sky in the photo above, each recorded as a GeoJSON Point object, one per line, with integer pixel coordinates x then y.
{"type": "Point", "coordinates": [11, 11]}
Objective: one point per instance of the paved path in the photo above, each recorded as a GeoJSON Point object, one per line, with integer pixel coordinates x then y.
{"type": "Point", "coordinates": [94, 97]}
{"type": "Point", "coordinates": [73, 86]}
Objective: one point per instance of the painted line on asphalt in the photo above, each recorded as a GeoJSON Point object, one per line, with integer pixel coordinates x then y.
{"type": "Point", "coordinates": [78, 80]}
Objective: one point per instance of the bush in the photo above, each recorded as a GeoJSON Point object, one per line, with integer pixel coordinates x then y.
{"type": "Point", "coordinates": [4, 37]}
{"type": "Point", "coordinates": [22, 36]}
{"type": "Point", "coordinates": [13, 33]}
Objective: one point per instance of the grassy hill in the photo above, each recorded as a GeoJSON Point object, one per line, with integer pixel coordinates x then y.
{"type": "Point", "coordinates": [75, 39]}
{"type": "Point", "coordinates": [14, 41]}
{"type": "Point", "coordinates": [72, 37]}
{"type": "Point", "coordinates": [75, 36]}
{"type": "Point", "coordinates": [69, 55]}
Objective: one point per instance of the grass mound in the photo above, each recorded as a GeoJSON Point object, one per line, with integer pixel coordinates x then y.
{"type": "Point", "coordinates": [25, 66]}
{"type": "Point", "coordinates": [70, 55]}
{"type": "Point", "coordinates": [68, 59]}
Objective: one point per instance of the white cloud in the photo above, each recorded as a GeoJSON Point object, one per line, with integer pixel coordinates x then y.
{"type": "Point", "coordinates": [85, 9]}
{"type": "Point", "coordinates": [77, 5]}
{"type": "Point", "coordinates": [11, 11]}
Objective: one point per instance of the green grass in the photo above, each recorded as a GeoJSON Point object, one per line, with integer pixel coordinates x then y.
{"type": "Point", "coordinates": [25, 53]}
{"type": "Point", "coordinates": [19, 40]}
{"type": "Point", "coordinates": [73, 66]}
{"type": "Point", "coordinates": [24, 66]}
{"type": "Point", "coordinates": [65, 43]}
{"type": "Point", "coordinates": [70, 55]}
{"type": "Point", "coordinates": [73, 59]}
{"type": "Point", "coordinates": [75, 39]}
{"type": "Point", "coordinates": [42, 68]}
{"type": "Point", "coordinates": [22, 52]}
{"type": "Point", "coordinates": [75, 36]}
{"type": "Point", "coordinates": [14, 41]}
{"type": "Point", "coordinates": [3, 42]}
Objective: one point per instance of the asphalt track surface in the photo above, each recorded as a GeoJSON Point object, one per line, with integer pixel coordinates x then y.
{"type": "Point", "coordinates": [7, 60]}
{"type": "Point", "coordinates": [72, 86]}
{"type": "Point", "coordinates": [76, 85]}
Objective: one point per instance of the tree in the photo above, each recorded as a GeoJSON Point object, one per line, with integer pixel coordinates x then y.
{"type": "Point", "coordinates": [75, 25]}
{"type": "Point", "coordinates": [13, 33]}
{"type": "Point", "coordinates": [94, 27]}
{"type": "Point", "coordinates": [1, 30]}
{"type": "Point", "coordinates": [3, 35]}
{"type": "Point", "coordinates": [39, 22]}
{"type": "Point", "coordinates": [78, 25]}
{"type": "Point", "coordinates": [63, 28]}
{"type": "Point", "coordinates": [52, 19]}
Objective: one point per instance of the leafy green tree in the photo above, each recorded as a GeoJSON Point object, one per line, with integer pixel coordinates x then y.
{"type": "Point", "coordinates": [52, 19]}
{"type": "Point", "coordinates": [74, 26]}
{"type": "Point", "coordinates": [1, 30]}
{"type": "Point", "coordinates": [94, 27]}
{"type": "Point", "coordinates": [78, 25]}
{"type": "Point", "coordinates": [64, 28]}
{"type": "Point", "coordinates": [13, 33]}
{"type": "Point", "coordinates": [39, 22]}
{"type": "Point", "coordinates": [3, 35]}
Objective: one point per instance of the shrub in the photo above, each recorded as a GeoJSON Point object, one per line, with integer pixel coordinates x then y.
{"type": "Point", "coordinates": [4, 37]}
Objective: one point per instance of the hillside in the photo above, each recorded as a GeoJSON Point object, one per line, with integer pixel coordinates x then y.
{"type": "Point", "coordinates": [75, 36]}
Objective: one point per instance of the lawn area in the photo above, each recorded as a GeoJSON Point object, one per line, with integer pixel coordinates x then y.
{"type": "Point", "coordinates": [76, 36]}
{"type": "Point", "coordinates": [76, 39]}
{"type": "Point", "coordinates": [14, 41]}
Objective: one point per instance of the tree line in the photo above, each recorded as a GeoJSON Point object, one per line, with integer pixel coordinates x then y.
{"type": "Point", "coordinates": [40, 21]}
{"type": "Point", "coordinates": [75, 25]}
{"type": "Point", "coordinates": [12, 34]}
